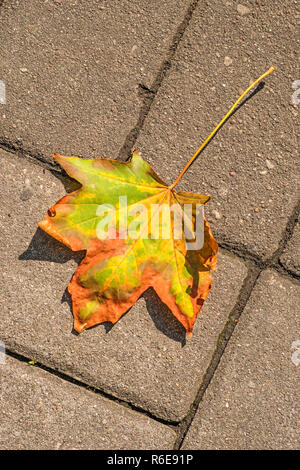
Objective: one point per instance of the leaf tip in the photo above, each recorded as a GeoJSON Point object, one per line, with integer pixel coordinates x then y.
{"type": "Point", "coordinates": [135, 153]}
{"type": "Point", "coordinates": [79, 327]}
{"type": "Point", "coordinates": [136, 158]}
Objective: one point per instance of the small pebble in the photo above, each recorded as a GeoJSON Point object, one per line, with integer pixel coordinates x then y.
{"type": "Point", "coordinates": [216, 214]}
{"type": "Point", "coordinates": [26, 194]}
{"type": "Point", "coordinates": [223, 191]}
{"type": "Point", "coordinates": [269, 164]}
{"type": "Point", "coordinates": [232, 173]}
{"type": "Point", "coordinates": [23, 69]}
{"type": "Point", "coordinates": [227, 61]}
{"type": "Point", "coordinates": [242, 9]}
{"type": "Point", "coordinates": [263, 172]}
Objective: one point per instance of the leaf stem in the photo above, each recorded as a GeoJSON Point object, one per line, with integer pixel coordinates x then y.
{"type": "Point", "coordinates": [271, 69]}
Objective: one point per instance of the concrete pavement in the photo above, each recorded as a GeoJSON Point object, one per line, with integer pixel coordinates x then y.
{"type": "Point", "coordinates": [96, 80]}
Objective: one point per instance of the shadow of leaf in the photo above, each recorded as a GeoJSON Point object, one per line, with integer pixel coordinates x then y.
{"type": "Point", "coordinates": [163, 318]}
{"type": "Point", "coordinates": [43, 247]}
{"type": "Point", "coordinates": [70, 184]}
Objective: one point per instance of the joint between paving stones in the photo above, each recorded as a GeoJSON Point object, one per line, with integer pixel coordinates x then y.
{"type": "Point", "coordinates": [255, 268]}
{"type": "Point", "coordinates": [63, 376]}
{"type": "Point", "coordinates": [285, 272]}
{"type": "Point", "coordinates": [150, 93]}
{"type": "Point", "coordinates": [223, 339]}
{"type": "Point", "coordinates": [32, 156]}
{"type": "Point", "coordinates": [274, 261]}
{"type": "Point", "coordinates": [287, 233]}
{"type": "Point", "coordinates": [254, 263]}
{"type": "Point", "coordinates": [236, 249]}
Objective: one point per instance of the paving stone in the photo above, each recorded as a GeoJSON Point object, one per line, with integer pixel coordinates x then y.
{"type": "Point", "coordinates": [41, 411]}
{"type": "Point", "coordinates": [144, 358]}
{"type": "Point", "coordinates": [290, 258]}
{"type": "Point", "coordinates": [253, 399]}
{"type": "Point", "coordinates": [251, 167]}
{"type": "Point", "coordinates": [72, 70]}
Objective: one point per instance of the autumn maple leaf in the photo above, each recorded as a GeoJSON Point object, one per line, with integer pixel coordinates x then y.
{"type": "Point", "coordinates": [140, 247]}
{"type": "Point", "coordinates": [118, 269]}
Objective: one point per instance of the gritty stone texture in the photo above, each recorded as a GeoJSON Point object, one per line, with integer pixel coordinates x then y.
{"type": "Point", "coordinates": [143, 358]}
{"type": "Point", "coordinates": [251, 167]}
{"type": "Point", "coordinates": [41, 411]}
{"type": "Point", "coordinates": [72, 70]}
{"type": "Point", "coordinates": [242, 9]}
{"type": "Point", "coordinates": [253, 399]}
{"type": "Point", "coordinates": [291, 255]}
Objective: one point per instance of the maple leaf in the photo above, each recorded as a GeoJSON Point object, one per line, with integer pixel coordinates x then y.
{"type": "Point", "coordinates": [140, 248]}
{"type": "Point", "coordinates": [117, 270]}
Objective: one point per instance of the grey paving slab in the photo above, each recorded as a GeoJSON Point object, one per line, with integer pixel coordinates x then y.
{"type": "Point", "coordinates": [290, 258]}
{"type": "Point", "coordinates": [41, 411]}
{"type": "Point", "coordinates": [143, 358]}
{"type": "Point", "coordinates": [72, 70]}
{"type": "Point", "coordinates": [251, 167]}
{"type": "Point", "coordinates": [253, 399]}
